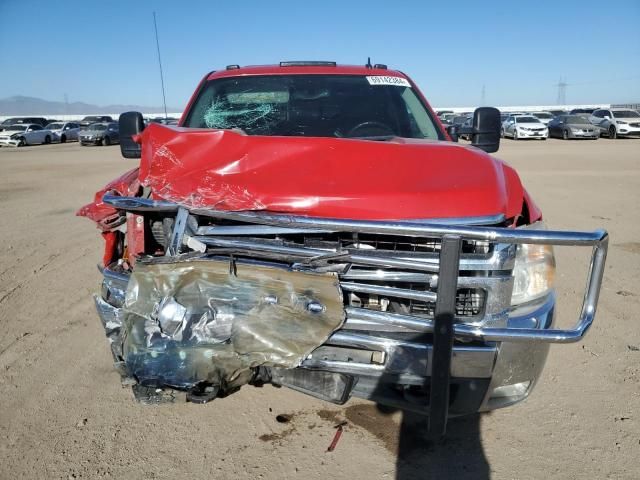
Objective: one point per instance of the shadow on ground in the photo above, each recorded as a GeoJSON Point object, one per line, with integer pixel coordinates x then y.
{"type": "Point", "coordinates": [458, 456]}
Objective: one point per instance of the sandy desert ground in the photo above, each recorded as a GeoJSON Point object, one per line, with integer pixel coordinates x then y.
{"type": "Point", "coordinates": [63, 413]}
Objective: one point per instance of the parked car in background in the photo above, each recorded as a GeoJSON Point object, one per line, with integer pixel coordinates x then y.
{"type": "Point", "coordinates": [24, 120]}
{"type": "Point", "coordinates": [459, 120]}
{"type": "Point", "coordinates": [64, 131]}
{"type": "Point", "coordinates": [100, 134]}
{"type": "Point", "coordinates": [448, 117]}
{"type": "Point", "coordinates": [555, 113]}
{"type": "Point", "coordinates": [616, 123]}
{"type": "Point", "coordinates": [572, 126]}
{"type": "Point", "coordinates": [544, 117]}
{"type": "Point", "coordinates": [584, 112]}
{"type": "Point", "coordinates": [467, 125]}
{"type": "Point", "coordinates": [524, 126]}
{"type": "Point", "coordinates": [20, 135]}
{"type": "Point", "coordinates": [86, 121]}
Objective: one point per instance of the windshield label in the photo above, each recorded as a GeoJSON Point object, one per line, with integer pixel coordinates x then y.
{"type": "Point", "coordinates": [383, 80]}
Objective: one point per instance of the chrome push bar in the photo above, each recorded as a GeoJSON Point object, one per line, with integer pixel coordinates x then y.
{"type": "Point", "coordinates": [597, 239]}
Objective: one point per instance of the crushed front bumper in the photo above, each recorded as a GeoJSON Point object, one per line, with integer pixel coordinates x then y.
{"type": "Point", "coordinates": [435, 358]}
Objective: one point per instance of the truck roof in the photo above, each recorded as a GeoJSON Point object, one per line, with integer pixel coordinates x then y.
{"type": "Point", "coordinates": [326, 68]}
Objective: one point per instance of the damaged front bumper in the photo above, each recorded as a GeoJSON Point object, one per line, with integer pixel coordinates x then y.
{"type": "Point", "coordinates": [433, 332]}
{"type": "Point", "coordinates": [327, 372]}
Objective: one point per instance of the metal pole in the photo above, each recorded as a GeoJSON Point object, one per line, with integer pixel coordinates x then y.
{"type": "Point", "coordinates": [164, 100]}
{"type": "Point", "coordinates": [443, 335]}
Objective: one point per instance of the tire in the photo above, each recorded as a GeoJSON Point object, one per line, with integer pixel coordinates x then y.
{"type": "Point", "coordinates": [543, 138]}
{"type": "Point", "coordinates": [502, 133]}
{"type": "Point", "coordinates": [613, 134]}
{"type": "Point", "coordinates": [47, 140]}
{"type": "Point", "coordinates": [106, 141]}
{"type": "Point", "coordinates": [515, 135]}
{"type": "Point", "coordinates": [565, 135]}
{"type": "Point", "coordinates": [22, 142]}
{"type": "Point", "coordinates": [63, 139]}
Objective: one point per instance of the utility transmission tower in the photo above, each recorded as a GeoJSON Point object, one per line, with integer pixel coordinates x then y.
{"type": "Point", "coordinates": [562, 92]}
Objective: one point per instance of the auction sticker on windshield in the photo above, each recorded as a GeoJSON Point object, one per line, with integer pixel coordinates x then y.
{"type": "Point", "coordinates": [386, 80]}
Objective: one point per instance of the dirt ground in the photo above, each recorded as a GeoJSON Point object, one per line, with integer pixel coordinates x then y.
{"type": "Point", "coordinates": [64, 415]}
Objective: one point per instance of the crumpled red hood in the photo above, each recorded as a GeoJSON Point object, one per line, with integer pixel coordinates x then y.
{"type": "Point", "coordinates": [326, 177]}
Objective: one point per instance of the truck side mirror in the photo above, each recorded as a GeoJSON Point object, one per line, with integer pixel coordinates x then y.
{"type": "Point", "coordinates": [130, 123]}
{"type": "Point", "coordinates": [486, 129]}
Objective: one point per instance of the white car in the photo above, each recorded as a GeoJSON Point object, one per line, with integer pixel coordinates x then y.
{"type": "Point", "coordinates": [25, 134]}
{"type": "Point", "coordinates": [544, 117]}
{"type": "Point", "coordinates": [64, 131]}
{"type": "Point", "coordinates": [524, 126]}
{"type": "Point", "coordinates": [616, 122]}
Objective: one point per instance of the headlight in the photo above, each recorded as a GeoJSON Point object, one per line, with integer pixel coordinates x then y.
{"type": "Point", "coordinates": [534, 271]}
{"type": "Point", "coordinates": [620, 122]}
{"type": "Point", "coordinates": [14, 136]}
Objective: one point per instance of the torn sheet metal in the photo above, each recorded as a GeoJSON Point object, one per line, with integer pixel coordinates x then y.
{"type": "Point", "coordinates": [104, 215]}
{"type": "Point", "coordinates": [325, 177]}
{"type": "Point", "coordinates": [193, 323]}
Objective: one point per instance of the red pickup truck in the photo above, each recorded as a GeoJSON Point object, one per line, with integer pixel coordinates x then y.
{"type": "Point", "coordinates": [314, 226]}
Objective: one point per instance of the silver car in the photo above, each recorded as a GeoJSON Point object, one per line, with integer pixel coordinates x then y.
{"type": "Point", "coordinates": [524, 126]}
{"type": "Point", "coordinates": [25, 134]}
{"type": "Point", "coordinates": [616, 123]}
{"type": "Point", "coordinates": [100, 134]}
{"type": "Point", "coordinates": [572, 126]}
{"type": "Point", "coordinates": [64, 131]}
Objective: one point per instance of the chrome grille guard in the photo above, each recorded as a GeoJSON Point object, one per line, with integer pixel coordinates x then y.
{"type": "Point", "coordinates": [440, 271]}
{"type": "Point", "coordinates": [449, 234]}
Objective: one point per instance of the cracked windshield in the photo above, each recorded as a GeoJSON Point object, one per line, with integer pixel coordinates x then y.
{"type": "Point", "coordinates": [313, 106]}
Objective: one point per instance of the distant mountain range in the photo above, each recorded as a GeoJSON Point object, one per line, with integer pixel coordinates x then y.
{"type": "Point", "coordinates": [20, 105]}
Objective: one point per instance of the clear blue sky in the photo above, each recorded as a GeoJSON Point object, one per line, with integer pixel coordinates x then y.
{"type": "Point", "coordinates": [105, 53]}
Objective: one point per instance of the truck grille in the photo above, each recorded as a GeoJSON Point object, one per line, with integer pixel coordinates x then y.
{"type": "Point", "coordinates": [381, 273]}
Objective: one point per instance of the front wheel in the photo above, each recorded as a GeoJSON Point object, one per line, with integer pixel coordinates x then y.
{"type": "Point", "coordinates": [63, 139]}
{"type": "Point", "coordinates": [22, 142]}
{"type": "Point", "coordinates": [515, 135]}
{"type": "Point", "coordinates": [612, 132]}
{"type": "Point", "coordinates": [502, 133]}
{"type": "Point", "coordinates": [47, 140]}
{"type": "Point", "coordinates": [106, 141]}
{"type": "Point", "coordinates": [565, 135]}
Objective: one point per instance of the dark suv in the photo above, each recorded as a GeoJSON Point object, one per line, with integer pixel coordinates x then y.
{"type": "Point", "coordinates": [86, 121]}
